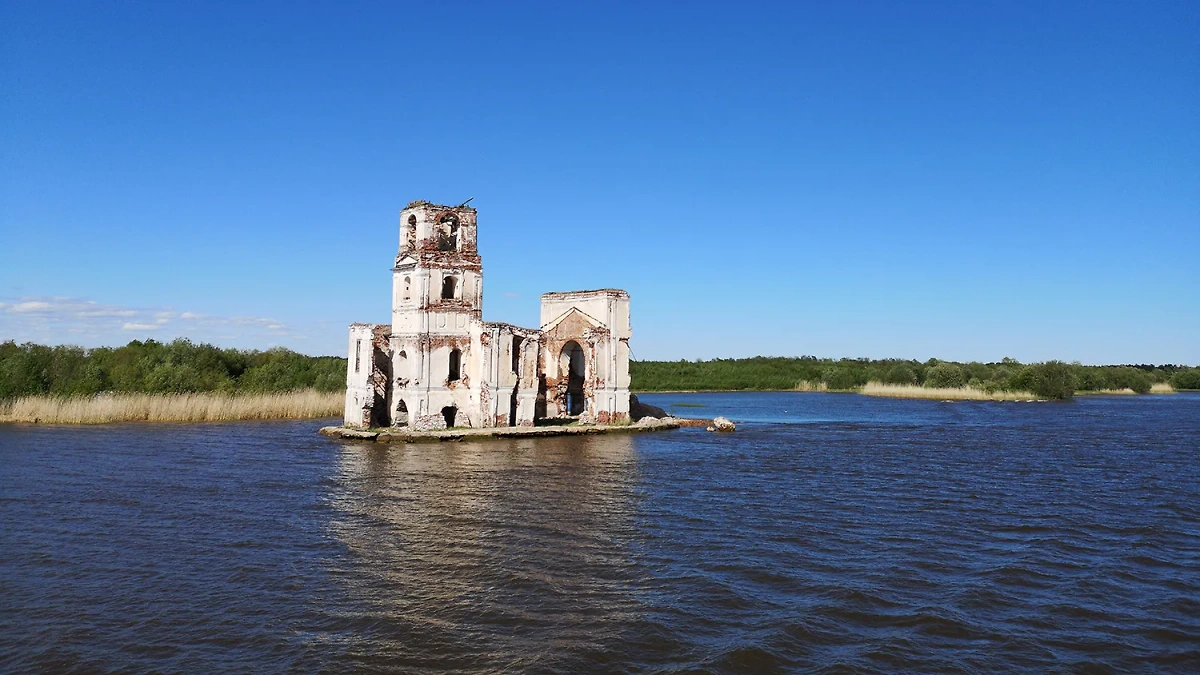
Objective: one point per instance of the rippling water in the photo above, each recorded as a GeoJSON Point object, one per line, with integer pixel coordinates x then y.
{"type": "Point", "coordinates": [831, 533]}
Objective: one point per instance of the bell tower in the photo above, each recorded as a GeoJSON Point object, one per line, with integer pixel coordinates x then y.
{"type": "Point", "coordinates": [438, 271]}
{"type": "Point", "coordinates": [437, 299]}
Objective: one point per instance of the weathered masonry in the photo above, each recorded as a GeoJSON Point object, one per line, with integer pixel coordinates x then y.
{"type": "Point", "coordinates": [440, 365]}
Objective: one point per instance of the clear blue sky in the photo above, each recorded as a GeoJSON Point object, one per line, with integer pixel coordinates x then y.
{"type": "Point", "coordinates": [961, 180]}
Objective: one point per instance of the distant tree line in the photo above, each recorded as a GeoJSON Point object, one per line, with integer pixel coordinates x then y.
{"type": "Point", "coordinates": [182, 366]}
{"type": "Point", "coordinates": [1052, 379]}
{"type": "Point", "coordinates": [157, 367]}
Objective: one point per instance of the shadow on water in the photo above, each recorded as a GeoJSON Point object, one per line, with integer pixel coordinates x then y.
{"type": "Point", "coordinates": [510, 547]}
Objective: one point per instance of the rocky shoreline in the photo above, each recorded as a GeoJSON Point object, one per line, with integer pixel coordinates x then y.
{"type": "Point", "coordinates": [444, 435]}
{"type": "Point", "coordinates": [648, 418]}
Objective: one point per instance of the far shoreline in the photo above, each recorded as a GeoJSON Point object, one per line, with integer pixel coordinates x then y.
{"type": "Point", "coordinates": [111, 408]}
{"type": "Point", "coordinates": [1081, 392]}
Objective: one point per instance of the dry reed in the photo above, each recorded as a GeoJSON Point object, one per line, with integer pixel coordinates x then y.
{"type": "Point", "coordinates": [204, 407]}
{"type": "Point", "coordinates": [805, 385]}
{"type": "Point", "coordinates": [1162, 388]}
{"type": "Point", "coordinates": [943, 393]}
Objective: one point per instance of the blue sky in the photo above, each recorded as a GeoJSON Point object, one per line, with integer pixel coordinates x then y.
{"type": "Point", "coordinates": [953, 180]}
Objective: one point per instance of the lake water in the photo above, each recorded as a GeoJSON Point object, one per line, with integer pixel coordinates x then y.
{"type": "Point", "coordinates": [830, 533]}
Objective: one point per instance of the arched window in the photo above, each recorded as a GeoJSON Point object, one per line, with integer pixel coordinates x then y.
{"type": "Point", "coordinates": [455, 365]}
{"type": "Point", "coordinates": [572, 364]}
{"type": "Point", "coordinates": [407, 287]}
{"type": "Point", "coordinates": [410, 233]}
{"type": "Point", "coordinates": [448, 286]}
{"type": "Point", "coordinates": [448, 233]}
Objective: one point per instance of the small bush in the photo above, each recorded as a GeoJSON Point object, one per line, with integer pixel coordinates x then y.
{"type": "Point", "coordinates": [1052, 379]}
{"type": "Point", "coordinates": [945, 376]}
{"type": "Point", "coordinates": [840, 378]}
{"type": "Point", "coordinates": [1186, 379]}
{"type": "Point", "coordinates": [901, 373]}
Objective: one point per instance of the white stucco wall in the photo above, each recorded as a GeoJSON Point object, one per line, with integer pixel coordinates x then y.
{"type": "Point", "coordinates": [359, 391]}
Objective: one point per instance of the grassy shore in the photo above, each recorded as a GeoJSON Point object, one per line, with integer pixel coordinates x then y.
{"type": "Point", "coordinates": [943, 393]}
{"type": "Point", "coordinates": [204, 407]}
{"type": "Point", "coordinates": [1156, 388]}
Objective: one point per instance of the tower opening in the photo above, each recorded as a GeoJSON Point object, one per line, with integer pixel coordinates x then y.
{"type": "Point", "coordinates": [410, 233]}
{"type": "Point", "coordinates": [448, 286]}
{"type": "Point", "coordinates": [448, 233]}
{"type": "Point", "coordinates": [455, 365]}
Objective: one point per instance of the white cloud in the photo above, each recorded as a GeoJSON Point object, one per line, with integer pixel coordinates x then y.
{"type": "Point", "coordinates": [33, 306]}
{"type": "Point", "coordinates": [53, 320]}
{"type": "Point", "coordinates": [101, 313]}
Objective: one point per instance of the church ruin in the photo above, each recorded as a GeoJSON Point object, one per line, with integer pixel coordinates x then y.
{"type": "Point", "coordinates": [439, 364]}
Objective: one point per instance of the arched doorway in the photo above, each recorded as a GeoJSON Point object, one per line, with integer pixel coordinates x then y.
{"type": "Point", "coordinates": [401, 414]}
{"type": "Point", "coordinates": [572, 364]}
{"type": "Point", "coordinates": [449, 413]}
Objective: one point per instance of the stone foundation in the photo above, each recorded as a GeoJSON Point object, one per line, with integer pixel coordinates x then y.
{"type": "Point", "coordinates": [429, 423]}
{"type": "Point", "coordinates": [443, 434]}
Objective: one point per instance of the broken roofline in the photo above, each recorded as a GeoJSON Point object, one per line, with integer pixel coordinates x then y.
{"type": "Point", "coordinates": [600, 291]}
{"type": "Point", "coordinates": [529, 332]}
{"type": "Point", "coordinates": [422, 202]}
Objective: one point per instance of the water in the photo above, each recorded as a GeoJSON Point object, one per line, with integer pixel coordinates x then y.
{"type": "Point", "coordinates": [831, 533]}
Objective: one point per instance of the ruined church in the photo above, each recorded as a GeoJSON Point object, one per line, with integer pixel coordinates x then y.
{"type": "Point", "coordinates": [438, 364]}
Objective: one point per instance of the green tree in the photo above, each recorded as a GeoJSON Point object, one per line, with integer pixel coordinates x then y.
{"type": "Point", "coordinates": [1186, 379]}
{"type": "Point", "coordinates": [176, 367]}
{"type": "Point", "coordinates": [1130, 378]}
{"type": "Point", "coordinates": [1052, 379]}
{"type": "Point", "coordinates": [945, 375]}
{"type": "Point", "coordinates": [901, 373]}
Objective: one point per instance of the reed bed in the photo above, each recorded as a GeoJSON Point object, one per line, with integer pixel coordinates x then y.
{"type": "Point", "coordinates": [202, 407]}
{"type": "Point", "coordinates": [805, 385]}
{"type": "Point", "coordinates": [1156, 388]}
{"type": "Point", "coordinates": [943, 393]}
